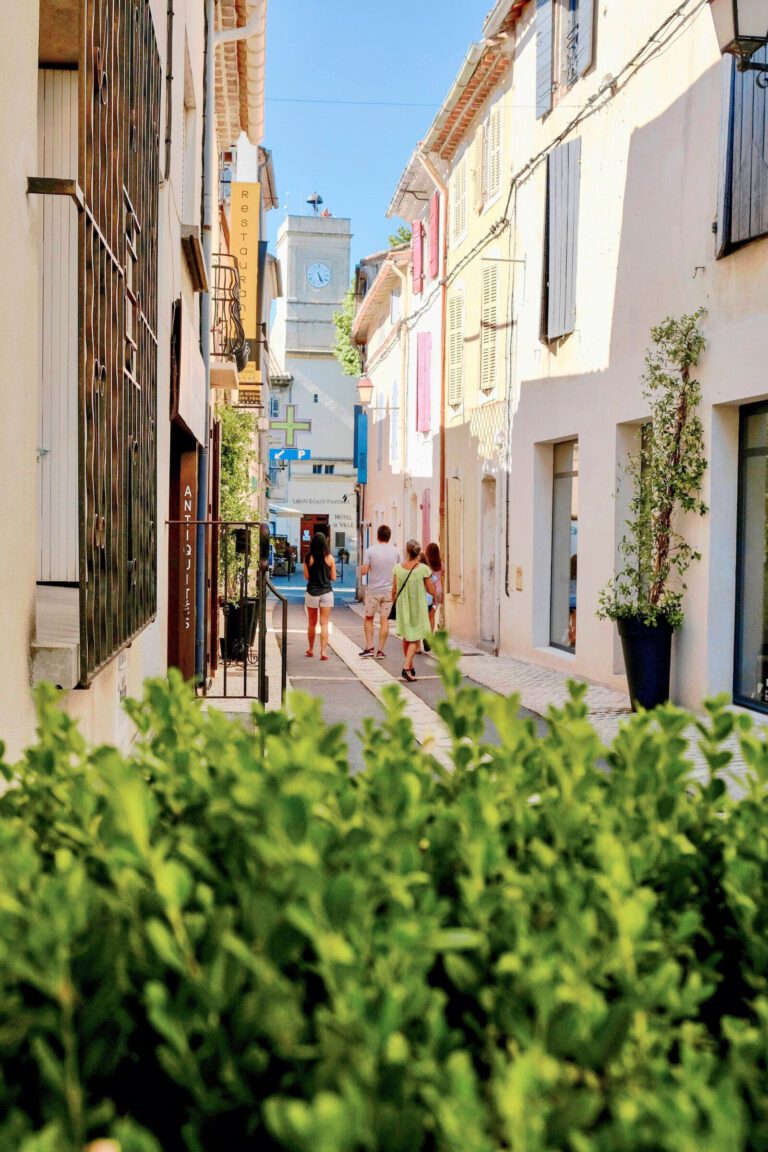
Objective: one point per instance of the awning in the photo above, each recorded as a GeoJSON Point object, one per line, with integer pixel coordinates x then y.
{"type": "Point", "coordinates": [284, 510]}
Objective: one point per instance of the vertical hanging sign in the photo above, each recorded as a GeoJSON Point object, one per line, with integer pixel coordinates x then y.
{"type": "Point", "coordinates": [244, 245]}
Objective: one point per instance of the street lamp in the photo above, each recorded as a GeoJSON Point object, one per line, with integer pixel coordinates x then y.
{"type": "Point", "coordinates": [742, 29]}
{"type": "Point", "coordinates": [364, 391]}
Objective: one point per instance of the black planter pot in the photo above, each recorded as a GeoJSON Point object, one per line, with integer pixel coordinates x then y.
{"type": "Point", "coordinates": [647, 652]}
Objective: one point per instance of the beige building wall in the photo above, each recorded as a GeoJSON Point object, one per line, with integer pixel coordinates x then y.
{"type": "Point", "coordinates": [18, 369]}
{"type": "Point", "coordinates": [648, 199]}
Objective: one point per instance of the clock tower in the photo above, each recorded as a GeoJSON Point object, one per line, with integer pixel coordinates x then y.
{"type": "Point", "coordinates": [314, 259]}
{"type": "Point", "coordinates": [312, 475]}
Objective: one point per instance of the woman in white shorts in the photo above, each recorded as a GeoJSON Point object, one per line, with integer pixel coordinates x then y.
{"type": "Point", "coordinates": [319, 571]}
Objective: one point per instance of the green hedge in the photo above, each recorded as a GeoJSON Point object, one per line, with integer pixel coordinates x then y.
{"type": "Point", "coordinates": [226, 942]}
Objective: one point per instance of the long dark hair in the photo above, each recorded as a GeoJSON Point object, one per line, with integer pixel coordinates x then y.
{"type": "Point", "coordinates": [433, 557]}
{"type": "Point", "coordinates": [318, 549]}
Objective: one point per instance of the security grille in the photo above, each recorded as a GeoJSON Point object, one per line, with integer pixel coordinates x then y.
{"type": "Point", "coordinates": [118, 169]}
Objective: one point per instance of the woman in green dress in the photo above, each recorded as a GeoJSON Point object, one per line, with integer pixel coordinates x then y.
{"type": "Point", "coordinates": [411, 581]}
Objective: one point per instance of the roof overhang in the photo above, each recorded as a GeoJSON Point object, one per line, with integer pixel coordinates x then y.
{"type": "Point", "coordinates": [413, 191]}
{"type": "Point", "coordinates": [483, 68]}
{"type": "Point", "coordinates": [240, 71]}
{"type": "Point", "coordinates": [388, 277]}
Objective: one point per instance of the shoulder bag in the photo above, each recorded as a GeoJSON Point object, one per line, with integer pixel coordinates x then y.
{"type": "Point", "coordinates": [393, 609]}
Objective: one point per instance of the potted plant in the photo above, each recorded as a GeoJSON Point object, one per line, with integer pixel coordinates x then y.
{"type": "Point", "coordinates": [645, 598]}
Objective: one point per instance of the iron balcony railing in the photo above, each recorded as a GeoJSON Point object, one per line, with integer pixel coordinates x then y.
{"type": "Point", "coordinates": [229, 339]}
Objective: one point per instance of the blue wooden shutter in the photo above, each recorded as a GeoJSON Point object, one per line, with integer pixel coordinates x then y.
{"type": "Point", "coordinates": [586, 19]}
{"type": "Point", "coordinates": [361, 444]}
{"type": "Point", "coordinates": [544, 46]}
{"type": "Point", "coordinates": [749, 163]}
{"type": "Point", "coordinates": [564, 179]}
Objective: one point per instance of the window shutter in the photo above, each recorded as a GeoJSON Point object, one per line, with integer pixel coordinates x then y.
{"type": "Point", "coordinates": [455, 349]}
{"type": "Point", "coordinates": [725, 185]}
{"type": "Point", "coordinates": [749, 157]}
{"type": "Point", "coordinates": [494, 152]}
{"type": "Point", "coordinates": [434, 236]}
{"type": "Point", "coordinates": [455, 527]}
{"type": "Point", "coordinates": [564, 177]}
{"type": "Point", "coordinates": [417, 255]}
{"type": "Point", "coordinates": [489, 327]}
{"type": "Point", "coordinates": [460, 200]}
{"type": "Point", "coordinates": [423, 381]}
{"type": "Point", "coordinates": [586, 19]}
{"type": "Point", "coordinates": [479, 170]}
{"type": "Point", "coordinates": [394, 424]}
{"type": "Point", "coordinates": [544, 47]}
{"type": "Point", "coordinates": [426, 517]}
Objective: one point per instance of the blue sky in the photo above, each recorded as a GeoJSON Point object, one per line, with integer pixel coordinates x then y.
{"type": "Point", "coordinates": [351, 89]}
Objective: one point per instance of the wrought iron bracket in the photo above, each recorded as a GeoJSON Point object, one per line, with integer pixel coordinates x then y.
{"type": "Point", "coordinates": [750, 66]}
{"type": "Point", "coordinates": [52, 186]}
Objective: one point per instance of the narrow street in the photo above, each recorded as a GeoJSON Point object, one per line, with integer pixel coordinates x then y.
{"type": "Point", "coordinates": [350, 685]}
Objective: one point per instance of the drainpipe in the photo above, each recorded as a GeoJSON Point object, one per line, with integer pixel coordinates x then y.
{"type": "Point", "coordinates": [168, 91]}
{"type": "Point", "coordinates": [228, 35]}
{"type": "Point", "coordinates": [209, 183]}
{"type": "Point", "coordinates": [442, 188]}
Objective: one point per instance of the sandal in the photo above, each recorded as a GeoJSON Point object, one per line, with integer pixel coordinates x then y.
{"type": "Point", "coordinates": [380, 655]}
{"type": "Point", "coordinates": [309, 652]}
{"type": "Point", "coordinates": [409, 675]}
{"type": "Point", "coordinates": [324, 657]}
{"type": "Point", "coordinates": [366, 652]}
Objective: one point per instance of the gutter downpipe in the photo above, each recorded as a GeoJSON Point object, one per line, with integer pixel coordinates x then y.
{"type": "Point", "coordinates": [442, 188]}
{"type": "Point", "coordinates": [209, 165]}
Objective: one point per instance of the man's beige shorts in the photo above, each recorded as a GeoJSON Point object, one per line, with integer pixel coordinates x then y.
{"type": "Point", "coordinates": [380, 602]}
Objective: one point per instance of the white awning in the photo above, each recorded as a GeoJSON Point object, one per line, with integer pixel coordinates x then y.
{"type": "Point", "coordinates": [280, 510]}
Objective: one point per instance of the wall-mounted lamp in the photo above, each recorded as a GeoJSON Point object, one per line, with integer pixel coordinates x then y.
{"type": "Point", "coordinates": [741, 27]}
{"type": "Point", "coordinates": [365, 395]}
{"type": "Point", "coordinates": [364, 391]}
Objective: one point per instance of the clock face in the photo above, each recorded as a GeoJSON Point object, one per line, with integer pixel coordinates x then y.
{"type": "Point", "coordinates": [319, 275]}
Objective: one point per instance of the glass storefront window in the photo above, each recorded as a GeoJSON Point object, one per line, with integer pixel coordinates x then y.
{"type": "Point", "coordinates": [565, 535]}
{"type": "Point", "coordinates": [751, 657]}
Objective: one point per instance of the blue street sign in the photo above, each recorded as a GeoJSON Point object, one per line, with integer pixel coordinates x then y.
{"type": "Point", "coordinates": [290, 454]}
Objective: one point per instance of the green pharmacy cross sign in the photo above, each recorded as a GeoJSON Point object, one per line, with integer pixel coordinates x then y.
{"type": "Point", "coordinates": [290, 425]}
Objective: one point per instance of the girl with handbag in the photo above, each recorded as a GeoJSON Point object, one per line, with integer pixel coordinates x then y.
{"type": "Point", "coordinates": [411, 582]}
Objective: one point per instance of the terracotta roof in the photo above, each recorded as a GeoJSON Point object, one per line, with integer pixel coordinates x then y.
{"type": "Point", "coordinates": [240, 73]}
{"type": "Point", "coordinates": [446, 138]}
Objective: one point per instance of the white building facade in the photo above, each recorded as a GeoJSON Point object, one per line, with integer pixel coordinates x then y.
{"type": "Point", "coordinates": [311, 415]}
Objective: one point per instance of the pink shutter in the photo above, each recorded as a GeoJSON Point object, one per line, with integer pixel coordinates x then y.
{"type": "Point", "coordinates": [434, 236]}
{"type": "Point", "coordinates": [423, 381]}
{"type": "Point", "coordinates": [426, 517]}
{"type": "Point", "coordinates": [417, 253]}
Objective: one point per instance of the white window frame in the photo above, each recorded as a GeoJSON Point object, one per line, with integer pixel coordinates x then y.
{"type": "Point", "coordinates": [459, 201]}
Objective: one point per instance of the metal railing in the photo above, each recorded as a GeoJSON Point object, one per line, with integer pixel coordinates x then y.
{"type": "Point", "coordinates": [227, 330]}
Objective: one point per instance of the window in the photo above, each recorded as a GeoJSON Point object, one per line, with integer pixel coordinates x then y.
{"type": "Point", "coordinates": [486, 172]}
{"type": "Point", "coordinates": [274, 407]}
{"type": "Point", "coordinates": [489, 328]}
{"type": "Point", "coordinates": [394, 307]}
{"type": "Point", "coordinates": [317, 469]}
{"type": "Point", "coordinates": [743, 207]}
{"type": "Point", "coordinates": [751, 656]}
{"type": "Point", "coordinates": [565, 535]}
{"type": "Point", "coordinates": [564, 38]}
{"type": "Point", "coordinates": [455, 350]}
{"type": "Point", "coordinates": [330, 469]}
{"type": "Point", "coordinates": [423, 381]}
{"type": "Point", "coordinates": [380, 433]}
{"type": "Point", "coordinates": [561, 232]}
{"type": "Point", "coordinates": [460, 199]}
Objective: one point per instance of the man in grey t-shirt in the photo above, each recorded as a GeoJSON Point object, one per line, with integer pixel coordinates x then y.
{"type": "Point", "coordinates": [378, 562]}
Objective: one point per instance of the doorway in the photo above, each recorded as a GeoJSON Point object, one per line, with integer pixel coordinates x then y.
{"type": "Point", "coordinates": [488, 603]}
